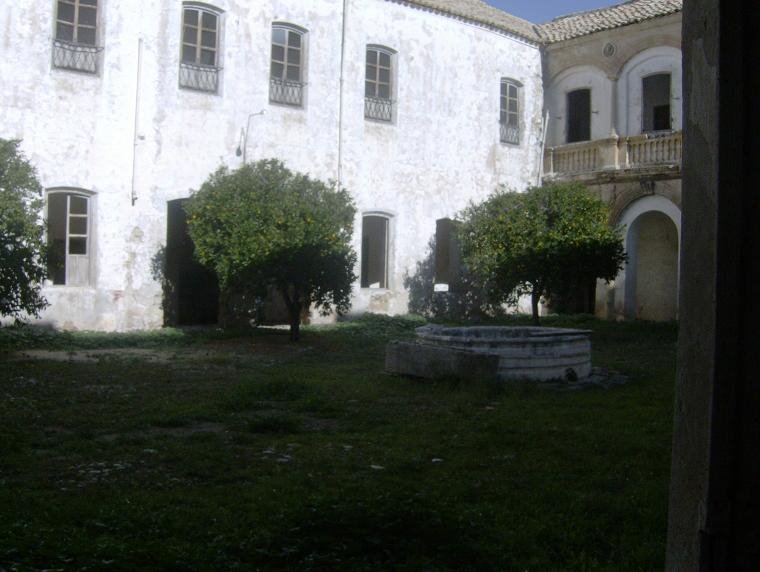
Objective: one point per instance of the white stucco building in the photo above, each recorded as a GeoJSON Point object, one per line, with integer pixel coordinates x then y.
{"type": "Point", "coordinates": [416, 107]}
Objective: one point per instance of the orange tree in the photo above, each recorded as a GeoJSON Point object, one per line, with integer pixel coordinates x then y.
{"type": "Point", "coordinates": [263, 225]}
{"type": "Point", "coordinates": [22, 245]}
{"type": "Point", "coordinates": [540, 243]}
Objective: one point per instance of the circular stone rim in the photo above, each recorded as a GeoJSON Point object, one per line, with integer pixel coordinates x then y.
{"type": "Point", "coordinates": [497, 333]}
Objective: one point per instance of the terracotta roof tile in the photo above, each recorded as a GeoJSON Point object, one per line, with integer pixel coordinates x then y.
{"type": "Point", "coordinates": [479, 11]}
{"type": "Point", "coordinates": [582, 23]}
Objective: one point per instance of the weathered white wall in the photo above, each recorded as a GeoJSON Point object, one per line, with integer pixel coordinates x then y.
{"type": "Point", "coordinates": [442, 151]}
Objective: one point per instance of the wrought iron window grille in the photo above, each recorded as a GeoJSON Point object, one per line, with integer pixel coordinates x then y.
{"type": "Point", "coordinates": [199, 77]}
{"type": "Point", "coordinates": [378, 109]}
{"type": "Point", "coordinates": [509, 133]}
{"type": "Point", "coordinates": [287, 92]}
{"type": "Point", "coordinates": [77, 57]}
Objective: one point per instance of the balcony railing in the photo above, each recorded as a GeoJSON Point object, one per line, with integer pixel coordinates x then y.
{"type": "Point", "coordinates": [509, 133]}
{"type": "Point", "coordinates": [199, 77]}
{"type": "Point", "coordinates": [378, 108]}
{"type": "Point", "coordinates": [77, 57]}
{"type": "Point", "coordinates": [285, 91]}
{"type": "Point", "coordinates": [615, 153]}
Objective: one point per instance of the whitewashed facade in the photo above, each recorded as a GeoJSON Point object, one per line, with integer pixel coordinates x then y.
{"type": "Point", "coordinates": [129, 138]}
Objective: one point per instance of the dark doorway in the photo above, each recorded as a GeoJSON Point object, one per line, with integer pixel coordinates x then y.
{"type": "Point", "coordinates": [374, 269]}
{"type": "Point", "coordinates": [447, 254]}
{"type": "Point", "coordinates": [579, 115]}
{"type": "Point", "coordinates": [194, 289]}
{"type": "Point", "coordinates": [656, 102]}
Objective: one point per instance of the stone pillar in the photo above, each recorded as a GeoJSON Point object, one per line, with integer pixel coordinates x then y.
{"type": "Point", "coordinates": [714, 515]}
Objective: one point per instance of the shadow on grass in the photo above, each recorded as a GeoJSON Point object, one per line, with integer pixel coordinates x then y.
{"type": "Point", "coordinates": [383, 532]}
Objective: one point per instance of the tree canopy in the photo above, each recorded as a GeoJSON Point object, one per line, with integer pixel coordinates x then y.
{"type": "Point", "coordinates": [22, 246]}
{"type": "Point", "coordinates": [538, 242]}
{"type": "Point", "coordinates": [263, 225]}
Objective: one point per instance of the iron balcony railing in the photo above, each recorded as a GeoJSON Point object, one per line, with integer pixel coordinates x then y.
{"type": "Point", "coordinates": [378, 108]}
{"type": "Point", "coordinates": [287, 92]}
{"type": "Point", "coordinates": [199, 77]}
{"type": "Point", "coordinates": [509, 133]}
{"type": "Point", "coordinates": [77, 57]}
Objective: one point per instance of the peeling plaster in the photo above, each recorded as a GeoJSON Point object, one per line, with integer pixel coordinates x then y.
{"type": "Point", "coordinates": [442, 151]}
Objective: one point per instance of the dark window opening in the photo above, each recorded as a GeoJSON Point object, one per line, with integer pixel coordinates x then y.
{"type": "Point", "coordinates": [579, 115]}
{"type": "Point", "coordinates": [656, 103]}
{"type": "Point", "coordinates": [447, 257]}
{"type": "Point", "coordinates": [374, 270]}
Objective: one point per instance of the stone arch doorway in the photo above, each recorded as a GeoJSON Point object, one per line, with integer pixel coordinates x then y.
{"type": "Point", "coordinates": [650, 278]}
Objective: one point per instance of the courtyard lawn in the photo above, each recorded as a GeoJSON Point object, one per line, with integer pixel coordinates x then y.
{"type": "Point", "coordinates": [203, 450]}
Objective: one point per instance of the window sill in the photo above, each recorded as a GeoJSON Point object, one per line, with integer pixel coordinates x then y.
{"type": "Point", "coordinates": [81, 73]}
{"type": "Point", "coordinates": [373, 121]}
{"type": "Point", "coordinates": [287, 105]}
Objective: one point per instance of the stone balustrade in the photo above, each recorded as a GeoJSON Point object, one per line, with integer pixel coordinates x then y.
{"type": "Point", "coordinates": [614, 154]}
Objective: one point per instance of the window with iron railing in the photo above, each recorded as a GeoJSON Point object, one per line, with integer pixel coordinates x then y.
{"type": "Point", "coordinates": [509, 111]}
{"type": "Point", "coordinates": [75, 44]}
{"type": "Point", "coordinates": [286, 76]}
{"type": "Point", "coordinates": [378, 84]}
{"type": "Point", "coordinates": [199, 63]}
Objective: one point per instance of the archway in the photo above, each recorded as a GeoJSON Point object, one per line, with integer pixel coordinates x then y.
{"type": "Point", "coordinates": [652, 285]}
{"type": "Point", "coordinates": [647, 287]}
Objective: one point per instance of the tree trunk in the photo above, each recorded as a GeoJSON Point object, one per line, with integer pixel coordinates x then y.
{"type": "Point", "coordinates": [534, 298]}
{"type": "Point", "coordinates": [293, 302]}
{"type": "Point", "coordinates": [222, 316]}
{"type": "Point", "coordinates": [295, 324]}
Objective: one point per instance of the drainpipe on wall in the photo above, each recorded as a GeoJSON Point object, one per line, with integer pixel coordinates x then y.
{"type": "Point", "coordinates": [135, 136]}
{"type": "Point", "coordinates": [340, 94]}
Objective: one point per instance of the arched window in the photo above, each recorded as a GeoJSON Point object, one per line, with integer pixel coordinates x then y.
{"type": "Point", "coordinates": [374, 270]}
{"type": "Point", "coordinates": [378, 83]}
{"type": "Point", "coordinates": [69, 215]}
{"type": "Point", "coordinates": [288, 62]}
{"type": "Point", "coordinates": [509, 111]}
{"type": "Point", "coordinates": [199, 63]}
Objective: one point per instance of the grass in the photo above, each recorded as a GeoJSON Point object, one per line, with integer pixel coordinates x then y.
{"type": "Point", "coordinates": [232, 451]}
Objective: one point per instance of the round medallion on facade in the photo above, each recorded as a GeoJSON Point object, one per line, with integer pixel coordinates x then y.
{"type": "Point", "coordinates": [610, 50]}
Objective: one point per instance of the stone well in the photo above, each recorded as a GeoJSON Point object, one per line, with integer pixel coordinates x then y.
{"type": "Point", "coordinates": [533, 353]}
